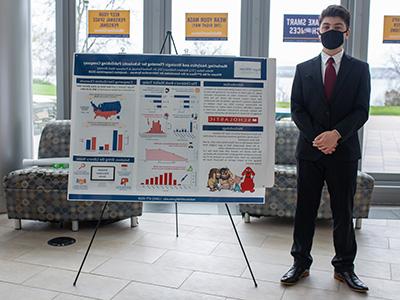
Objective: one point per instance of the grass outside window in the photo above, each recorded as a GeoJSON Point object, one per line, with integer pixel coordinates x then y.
{"type": "Point", "coordinates": [373, 111]}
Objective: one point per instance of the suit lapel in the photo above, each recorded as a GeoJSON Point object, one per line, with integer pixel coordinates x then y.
{"type": "Point", "coordinates": [345, 67]}
{"type": "Point", "coordinates": [316, 75]}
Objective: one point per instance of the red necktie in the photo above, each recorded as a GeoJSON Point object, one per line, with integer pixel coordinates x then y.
{"type": "Point", "coordinates": [330, 79]}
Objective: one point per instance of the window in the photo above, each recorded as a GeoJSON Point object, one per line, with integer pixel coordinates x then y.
{"type": "Point", "coordinates": [43, 66]}
{"type": "Point", "coordinates": [289, 54]}
{"type": "Point", "coordinates": [133, 44]}
{"type": "Point", "coordinates": [381, 132]}
{"type": "Point", "coordinates": [215, 47]}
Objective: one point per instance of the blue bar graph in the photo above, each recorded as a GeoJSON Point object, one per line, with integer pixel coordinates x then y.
{"type": "Point", "coordinates": [115, 140]}
{"type": "Point", "coordinates": [88, 145]}
{"type": "Point", "coordinates": [101, 147]}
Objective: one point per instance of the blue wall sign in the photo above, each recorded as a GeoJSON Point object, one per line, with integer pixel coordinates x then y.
{"type": "Point", "coordinates": [300, 28]}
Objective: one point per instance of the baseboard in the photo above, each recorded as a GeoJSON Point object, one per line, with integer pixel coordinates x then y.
{"type": "Point", "coordinates": [386, 195]}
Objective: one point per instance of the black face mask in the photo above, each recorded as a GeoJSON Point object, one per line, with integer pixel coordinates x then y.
{"type": "Point", "coordinates": [332, 39]}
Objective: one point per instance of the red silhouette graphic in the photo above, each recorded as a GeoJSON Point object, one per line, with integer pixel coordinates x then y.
{"type": "Point", "coordinates": [248, 183]}
{"type": "Point", "coordinates": [156, 127]}
{"type": "Point", "coordinates": [124, 181]}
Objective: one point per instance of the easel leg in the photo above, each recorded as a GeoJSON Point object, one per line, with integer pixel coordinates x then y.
{"type": "Point", "coordinates": [241, 246]}
{"type": "Point", "coordinates": [90, 244]}
{"type": "Point", "coordinates": [176, 218]}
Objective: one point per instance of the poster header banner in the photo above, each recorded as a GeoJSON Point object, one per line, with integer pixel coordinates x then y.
{"type": "Point", "coordinates": [301, 28]}
{"type": "Point", "coordinates": [109, 23]}
{"type": "Point", "coordinates": [206, 26]}
{"type": "Point", "coordinates": [391, 30]}
{"type": "Point", "coordinates": [190, 67]}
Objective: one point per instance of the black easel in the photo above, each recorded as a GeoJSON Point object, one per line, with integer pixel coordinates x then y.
{"type": "Point", "coordinates": [91, 241]}
{"type": "Point", "coordinates": [170, 39]}
{"type": "Point", "coordinates": [241, 246]}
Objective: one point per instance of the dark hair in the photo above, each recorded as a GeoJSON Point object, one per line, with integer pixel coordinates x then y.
{"type": "Point", "coordinates": [336, 11]}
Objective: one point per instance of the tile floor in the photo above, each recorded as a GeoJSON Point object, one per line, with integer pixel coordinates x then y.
{"type": "Point", "coordinates": [205, 262]}
{"type": "Point", "coordinates": [381, 145]}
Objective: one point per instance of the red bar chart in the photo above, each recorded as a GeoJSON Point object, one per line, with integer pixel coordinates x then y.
{"type": "Point", "coordinates": [162, 179]}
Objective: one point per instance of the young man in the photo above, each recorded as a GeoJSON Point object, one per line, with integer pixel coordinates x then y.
{"type": "Point", "coordinates": [329, 104]}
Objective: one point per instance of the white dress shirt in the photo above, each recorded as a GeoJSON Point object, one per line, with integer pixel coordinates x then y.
{"type": "Point", "coordinates": [324, 59]}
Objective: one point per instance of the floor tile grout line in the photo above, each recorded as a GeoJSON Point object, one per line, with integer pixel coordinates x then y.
{"type": "Point", "coordinates": [185, 280]}
{"type": "Point", "coordinates": [73, 271]}
{"type": "Point", "coordinates": [158, 258]}
{"type": "Point", "coordinates": [31, 287]}
{"type": "Point", "coordinates": [391, 271]}
{"type": "Point", "coordinates": [66, 293]}
{"type": "Point", "coordinates": [284, 292]}
{"type": "Point", "coordinates": [101, 264]}
{"type": "Point", "coordinates": [116, 294]}
{"type": "Point", "coordinates": [134, 280]}
{"type": "Point", "coordinates": [134, 243]}
{"type": "Point", "coordinates": [41, 271]}
{"type": "Point", "coordinates": [203, 271]}
{"type": "Point", "coordinates": [215, 248]}
{"type": "Point", "coordinates": [169, 287]}
{"type": "Point", "coordinates": [56, 296]}
{"type": "Point", "coordinates": [175, 249]}
{"type": "Point", "coordinates": [69, 293]}
{"type": "Point", "coordinates": [52, 266]}
{"type": "Point", "coordinates": [215, 295]}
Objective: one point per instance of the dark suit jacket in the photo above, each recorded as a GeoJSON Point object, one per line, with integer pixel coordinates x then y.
{"type": "Point", "coordinates": [346, 112]}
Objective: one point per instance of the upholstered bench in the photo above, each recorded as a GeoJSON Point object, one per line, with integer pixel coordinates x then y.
{"type": "Point", "coordinates": [280, 200]}
{"type": "Point", "coordinates": [40, 193]}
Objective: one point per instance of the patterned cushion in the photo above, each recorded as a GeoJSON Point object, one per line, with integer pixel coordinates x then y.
{"type": "Point", "coordinates": [285, 142]}
{"type": "Point", "coordinates": [52, 205]}
{"type": "Point", "coordinates": [37, 178]}
{"type": "Point", "coordinates": [54, 140]}
{"type": "Point", "coordinates": [285, 176]}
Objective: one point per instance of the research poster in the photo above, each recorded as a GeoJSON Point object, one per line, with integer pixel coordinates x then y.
{"type": "Point", "coordinates": [300, 28]}
{"type": "Point", "coordinates": [172, 128]}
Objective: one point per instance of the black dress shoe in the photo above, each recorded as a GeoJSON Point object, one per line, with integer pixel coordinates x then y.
{"type": "Point", "coordinates": [351, 279]}
{"type": "Point", "coordinates": [294, 274]}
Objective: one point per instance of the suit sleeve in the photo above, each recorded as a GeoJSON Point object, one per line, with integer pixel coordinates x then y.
{"type": "Point", "coordinates": [300, 116]}
{"type": "Point", "coordinates": [359, 115]}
